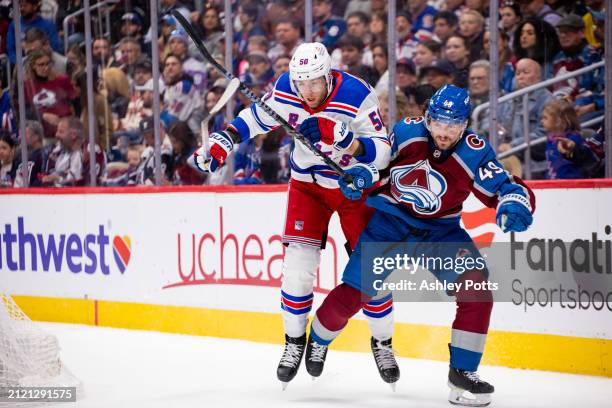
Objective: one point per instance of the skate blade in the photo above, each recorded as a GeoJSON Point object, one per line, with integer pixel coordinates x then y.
{"type": "Point", "coordinates": [461, 397]}
{"type": "Point", "coordinates": [313, 378]}
{"type": "Point", "coordinates": [392, 385]}
{"type": "Point", "coordinates": [284, 385]}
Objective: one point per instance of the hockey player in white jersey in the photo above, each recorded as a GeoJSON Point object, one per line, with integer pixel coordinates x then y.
{"type": "Point", "coordinates": [339, 114]}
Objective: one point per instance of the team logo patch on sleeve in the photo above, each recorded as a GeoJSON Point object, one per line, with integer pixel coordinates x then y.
{"type": "Point", "coordinates": [475, 142]}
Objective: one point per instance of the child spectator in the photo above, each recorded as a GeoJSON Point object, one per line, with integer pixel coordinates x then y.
{"type": "Point", "coordinates": [8, 169]}
{"type": "Point", "coordinates": [560, 122]}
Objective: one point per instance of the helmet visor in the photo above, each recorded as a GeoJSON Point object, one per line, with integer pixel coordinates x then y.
{"type": "Point", "coordinates": [316, 85]}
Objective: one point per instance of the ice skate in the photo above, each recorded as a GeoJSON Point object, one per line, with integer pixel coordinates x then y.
{"type": "Point", "coordinates": [385, 361]}
{"type": "Point", "coordinates": [315, 358]}
{"type": "Point", "coordinates": [467, 389]}
{"type": "Point", "coordinates": [290, 361]}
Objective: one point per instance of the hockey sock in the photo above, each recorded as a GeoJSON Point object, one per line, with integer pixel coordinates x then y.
{"type": "Point", "coordinates": [337, 308]}
{"type": "Point", "coordinates": [471, 324]}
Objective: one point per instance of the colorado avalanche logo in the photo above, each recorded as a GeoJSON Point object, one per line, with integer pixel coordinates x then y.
{"type": "Point", "coordinates": [418, 185]}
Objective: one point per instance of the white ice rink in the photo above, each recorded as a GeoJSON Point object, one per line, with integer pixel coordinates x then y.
{"type": "Point", "coordinates": [125, 368]}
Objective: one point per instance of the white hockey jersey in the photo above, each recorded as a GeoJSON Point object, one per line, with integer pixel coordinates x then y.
{"type": "Point", "coordinates": [351, 101]}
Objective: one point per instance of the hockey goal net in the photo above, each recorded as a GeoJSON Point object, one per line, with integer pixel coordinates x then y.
{"type": "Point", "coordinates": [29, 357]}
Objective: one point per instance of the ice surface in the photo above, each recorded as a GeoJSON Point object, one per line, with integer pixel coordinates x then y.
{"type": "Point", "coordinates": [126, 368]}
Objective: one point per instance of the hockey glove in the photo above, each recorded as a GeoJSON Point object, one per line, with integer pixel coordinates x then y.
{"type": "Point", "coordinates": [514, 216]}
{"type": "Point", "coordinates": [328, 131]}
{"type": "Point", "coordinates": [221, 146]}
{"type": "Point", "coordinates": [364, 177]}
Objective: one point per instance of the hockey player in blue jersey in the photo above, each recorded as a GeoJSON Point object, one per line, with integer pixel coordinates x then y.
{"type": "Point", "coordinates": [436, 163]}
{"type": "Point", "coordinates": [339, 114]}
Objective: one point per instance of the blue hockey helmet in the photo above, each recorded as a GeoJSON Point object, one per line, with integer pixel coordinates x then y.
{"type": "Point", "coordinates": [449, 105]}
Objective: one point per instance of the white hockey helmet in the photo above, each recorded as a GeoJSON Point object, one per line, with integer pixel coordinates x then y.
{"type": "Point", "coordinates": [310, 61]}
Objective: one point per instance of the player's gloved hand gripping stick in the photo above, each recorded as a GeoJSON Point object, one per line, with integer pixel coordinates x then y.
{"type": "Point", "coordinates": [256, 100]}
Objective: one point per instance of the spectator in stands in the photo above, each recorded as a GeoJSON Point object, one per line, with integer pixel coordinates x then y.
{"type": "Point", "coordinates": [380, 63]}
{"type": "Point", "coordinates": [281, 65]}
{"type": "Point", "coordinates": [539, 8]}
{"type": "Point", "coordinates": [48, 95]}
{"type": "Point", "coordinates": [247, 13]}
{"type": "Point", "coordinates": [528, 72]}
{"type": "Point", "coordinates": [479, 92]}
{"type": "Point", "coordinates": [426, 52]}
{"type": "Point", "coordinates": [209, 28]}
{"type": "Point", "coordinates": [287, 35]}
{"type": "Point", "coordinates": [116, 88]}
{"type": "Point", "coordinates": [183, 145]}
{"type": "Point", "coordinates": [479, 82]}
{"type": "Point", "coordinates": [247, 165]}
{"type": "Point", "coordinates": [101, 53]}
{"type": "Point", "coordinates": [378, 27]}
{"type": "Point", "coordinates": [505, 60]}
{"type": "Point", "coordinates": [181, 99]}
{"type": "Point", "coordinates": [146, 169]}
{"type": "Point", "coordinates": [30, 17]}
{"type": "Point", "coordinates": [401, 105]}
{"type": "Point", "coordinates": [7, 118]}
{"type": "Point", "coordinates": [103, 119]}
{"type": "Point", "coordinates": [131, 54]}
{"type": "Point", "coordinates": [167, 26]}
{"type": "Point", "coordinates": [594, 19]}
{"type": "Point", "coordinates": [352, 54]}
{"type": "Point", "coordinates": [131, 26]}
{"type": "Point", "coordinates": [66, 159]}
{"type": "Point", "coordinates": [8, 161]}
{"type": "Point", "coordinates": [357, 25]}
{"type": "Point", "coordinates": [125, 174]}
{"type": "Point", "coordinates": [418, 99]}
{"type": "Point", "coordinates": [260, 70]}
{"type": "Point", "coordinates": [437, 74]}
{"type": "Point", "coordinates": [328, 29]}
{"type": "Point", "coordinates": [406, 41]}
{"type": "Point", "coordinates": [140, 107]}
{"type": "Point", "coordinates": [446, 24]}
{"type": "Point", "coordinates": [36, 39]}
{"type": "Point", "coordinates": [561, 125]}
{"type": "Point", "coordinates": [537, 40]}
{"type": "Point", "coordinates": [588, 155]}
{"type": "Point", "coordinates": [510, 17]}
{"type": "Point", "coordinates": [575, 53]}
{"type": "Point", "coordinates": [457, 52]}
{"type": "Point", "coordinates": [405, 74]}
{"type": "Point", "coordinates": [422, 18]}
{"type": "Point", "coordinates": [143, 71]}
{"type": "Point", "coordinates": [179, 46]}
{"type": "Point", "coordinates": [471, 27]}
{"type": "Point", "coordinates": [37, 157]}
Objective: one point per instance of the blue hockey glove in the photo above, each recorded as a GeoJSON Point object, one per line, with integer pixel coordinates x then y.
{"type": "Point", "coordinates": [364, 177]}
{"type": "Point", "coordinates": [221, 145]}
{"type": "Point", "coordinates": [513, 215]}
{"type": "Point", "coordinates": [328, 131]}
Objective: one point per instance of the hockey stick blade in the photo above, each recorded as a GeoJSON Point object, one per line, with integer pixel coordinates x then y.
{"type": "Point", "coordinates": [256, 100]}
{"type": "Point", "coordinates": [229, 92]}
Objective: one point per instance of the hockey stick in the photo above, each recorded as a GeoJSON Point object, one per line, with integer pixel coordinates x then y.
{"type": "Point", "coordinates": [229, 92]}
{"type": "Point", "coordinates": [256, 100]}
